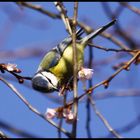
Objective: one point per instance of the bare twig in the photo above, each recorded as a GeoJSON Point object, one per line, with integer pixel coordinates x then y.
{"type": "Point", "coordinates": [16, 131]}
{"type": "Point", "coordinates": [63, 13]}
{"type": "Point", "coordinates": [32, 108]}
{"type": "Point", "coordinates": [108, 80]}
{"type": "Point", "coordinates": [86, 28]}
{"type": "Point", "coordinates": [40, 9]}
{"type": "Point", "coordinates": [124, 48]}
{"type": "Point", "coordinates": [74, 126]}
{"type": "Point", "coordinates": [119, 93]}
{"type": "Point", "coordinates": [118, 29]}
{"type": "Point", "coordinates": [111, 49]}
{"type": "Point", "coordinates": [12, 69]}
{"type": "Point", "coordinates": [61, 119]}
{"type": "Point", "coordinates": [130, 7]}
{"type": "Point", "coordinates": [124, 67]}
{"type": "Point", "coordinates": [111, 130]}
{"type": "Point", "coordinates": [106, 35]}
{"type": "Point", "coordinates": [128, 127]}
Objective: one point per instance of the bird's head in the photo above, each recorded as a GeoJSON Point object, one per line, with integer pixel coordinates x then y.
{"type": "Point", "coordinates": [45, 82]}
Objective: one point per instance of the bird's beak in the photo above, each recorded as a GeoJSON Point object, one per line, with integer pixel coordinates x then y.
{"type": "Point", "coordinates": [56, 88]}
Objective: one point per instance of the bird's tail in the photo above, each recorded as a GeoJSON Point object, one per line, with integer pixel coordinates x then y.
{"type": "Point", "coordinates": [96, 32]}
{"type": "Point", "coordinates": [79, 33]}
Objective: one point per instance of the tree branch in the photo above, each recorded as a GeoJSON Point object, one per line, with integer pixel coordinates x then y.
{"type": "Point", "coordinates": [40, 9]}
{"type": "Point", "coordinates": [110, 129]}
{"type": "Point", "coordinates": [74, 126]}
{"type": "Point", "coordinates": [130, 7]}
{"type": "Point", "coordinates": [32, 108]}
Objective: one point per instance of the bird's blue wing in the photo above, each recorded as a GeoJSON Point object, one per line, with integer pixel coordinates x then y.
{"type": "Point", "coordinates": [53, 56]}
{"type": "Point", "coordinates": [49, 60]}
{"type": "Point", "coordinates": [63, 45]}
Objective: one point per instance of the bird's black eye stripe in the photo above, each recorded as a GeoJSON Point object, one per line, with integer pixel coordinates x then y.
{"type": "Point", "coordinates": [51, 83]}
{"type": "Point", "coordinates": [49, 80]}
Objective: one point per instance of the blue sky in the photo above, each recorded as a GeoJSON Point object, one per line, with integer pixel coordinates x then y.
{"type": "Point", "coordinates": [28, 29]}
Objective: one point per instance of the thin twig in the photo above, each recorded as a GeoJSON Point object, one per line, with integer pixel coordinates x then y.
{"type": "Point", "coordinates": [128, 127]}
{"type": "Point", "coordinates": [61, 119]}
{"type": "Point", "coordinates": [40, 9]}
{"type": "Point", "coordinates": [106, 35]}
{"type": "Point", "coordinates": [74, 126]}
{"type": "Point", "coordinates": [32, 108]}
{"type": "Point", "coordinates": [130, 7]}
{"type": "Point", "coordinates": [118, 29]}
{"type": "Point", "coordinates": [111, 130]}
{"type": "Point", "coordinates": [89, 29]}
{"type": "Point", "coordinates": [124, 67]}
{"type": "Point", "coordinates": [119, 93]}
{"type": "Point", "coordinates": [12, 69]}
{"type": "Point", "coordinates": [111, 49]}
{"type": "Point", "coordinates": [108, 80]}
{"type": "Point", "coordinates": [16, 131]}
{"type": "Point", "coordinates": [63, 12]}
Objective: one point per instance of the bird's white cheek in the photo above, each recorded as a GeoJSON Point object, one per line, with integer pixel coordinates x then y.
{"type": "Point", "coordinates": [52, 77]}
{"type": "Point", "coordinates": [54, 81]}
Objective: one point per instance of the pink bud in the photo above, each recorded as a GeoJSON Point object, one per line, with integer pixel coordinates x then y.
{"type": "Point", "coordinates": [66, 111]}
{"type": "Point", "coordinates": [11, 67]}
{"type": "Point", "coordinates": [85, 74]}
{"type": "Point", "coordinates": [50, 113]}
{"type": "Point", "coordinates": [70, 118]}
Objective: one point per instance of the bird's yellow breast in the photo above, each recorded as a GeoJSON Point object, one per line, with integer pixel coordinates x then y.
{"type": "Point", "coordinates": [64, 69]}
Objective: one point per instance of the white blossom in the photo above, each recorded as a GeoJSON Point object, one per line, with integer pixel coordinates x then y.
{"type": "Point", "coordinates": [11, 67]}
{"type": "Point", "coordinates": [69, 116]}
{"type": "Point", "coordinates": [50, 113]}
{"type": "Point", "coordinates": [85, 74]}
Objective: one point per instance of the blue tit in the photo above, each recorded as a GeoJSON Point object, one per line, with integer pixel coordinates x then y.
{"type": "Point", "coordinates": [56, 68]}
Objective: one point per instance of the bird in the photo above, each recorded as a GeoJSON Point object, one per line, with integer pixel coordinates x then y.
{"type": "Point", "coordinates": [56, 68]}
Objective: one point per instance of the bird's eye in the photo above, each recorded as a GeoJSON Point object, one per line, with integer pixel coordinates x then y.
{"type": "Point", "coordinates": [50, 81]}
{"type": "Point", "coordinates": [47, 78]}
